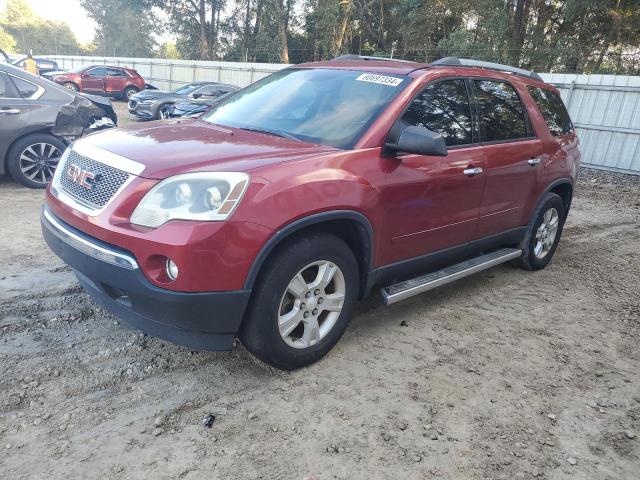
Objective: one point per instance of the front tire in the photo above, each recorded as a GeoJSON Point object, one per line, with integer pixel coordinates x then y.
{"type": "Point", "coordinates": [543, 234]}
{"type": "Point", "coordinates": [163, 111]}
{"type": "Point", "coordinates": [32, 160]}
{"type": "Point", "coordinates": [302, 303]}
{"type": "Point", "coordinates": [71, 86]}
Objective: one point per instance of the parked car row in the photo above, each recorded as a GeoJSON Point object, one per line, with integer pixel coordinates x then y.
{"type": "Point", "coordinates": [156, 104]}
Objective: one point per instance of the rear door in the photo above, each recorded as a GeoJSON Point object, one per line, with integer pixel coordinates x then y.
{"type": "Point", "coordinates": [512, 153]}
{"type": "Point", "coordinates": [116, 81]}
{"type": "Point", "coordinates": [432, 203]}
{"type": "Point", "coordinates": [93, 80]}
{"type": "Point", "coordinates": [15, 111]}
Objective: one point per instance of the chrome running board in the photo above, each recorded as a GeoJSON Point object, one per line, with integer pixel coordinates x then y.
{"type": "Point", "coordinates": [423, 283]}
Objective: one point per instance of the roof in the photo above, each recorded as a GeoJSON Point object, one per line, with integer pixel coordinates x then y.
{"type": "Point", "coordinates": [405, 67]}
{"type": "Point", "coordinates": [398, 67]}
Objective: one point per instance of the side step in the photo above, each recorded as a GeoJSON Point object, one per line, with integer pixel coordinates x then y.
{"type": "Point", "coordinates": [415, 286]}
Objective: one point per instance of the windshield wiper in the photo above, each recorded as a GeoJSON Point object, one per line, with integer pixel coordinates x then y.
{"type": "Point", "coordinates": [276, 133]}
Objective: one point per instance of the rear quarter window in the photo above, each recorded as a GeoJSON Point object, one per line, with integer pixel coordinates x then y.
{"type": "Point", "coordinates": [26, 89]}
{"type": "Point", "coordinates": [553, 110]}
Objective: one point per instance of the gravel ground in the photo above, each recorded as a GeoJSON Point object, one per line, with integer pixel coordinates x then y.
{"type": "Point", "coordinates": [504, 375]}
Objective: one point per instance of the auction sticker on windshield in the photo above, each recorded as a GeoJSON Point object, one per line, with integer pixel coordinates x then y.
{"type": "Point", "coordinates": [381, 79]}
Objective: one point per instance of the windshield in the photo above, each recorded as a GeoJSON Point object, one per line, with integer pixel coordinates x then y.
{"type": "Point", "coordinates": [325, 106]}
{"type": "Point", "coordinates": [79, 69]}
{"type": "Point", "coordinates": [186, 89]}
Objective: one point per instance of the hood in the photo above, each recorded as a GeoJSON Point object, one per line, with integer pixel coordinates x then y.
{"type": "Point", "coordinates": [54, 73]}
{"type": "Point", "coordinates": [170, 147]}
{"type": "Point", "coordinates": [149, 94]}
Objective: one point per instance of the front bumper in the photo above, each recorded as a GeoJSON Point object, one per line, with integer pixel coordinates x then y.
{"type": "Point", "coordinates": [203, 321]}
{"type": "Point", "coordinates": [144, 111]}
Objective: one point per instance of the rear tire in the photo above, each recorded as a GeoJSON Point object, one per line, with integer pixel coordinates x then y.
{"type": "Point", "coordinates": [296, 315]}
{"type": "Point", "coordinates": [543, 234]}
{"type": "Point", "coordinates": [33, 159]}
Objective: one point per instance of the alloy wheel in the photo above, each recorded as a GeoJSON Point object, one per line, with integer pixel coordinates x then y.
{"type": "Point", "coordinates": [311, 304]}
{"type": "Point", "coordinates": [546, 233]}
{"type": "Point", "coordinates": [38, 162]}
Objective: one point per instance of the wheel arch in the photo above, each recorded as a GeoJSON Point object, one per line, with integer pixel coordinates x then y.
{"type": "Point", "coordinates": [352, 227]}
{"type": "Point", "coordinates": [562, 187]}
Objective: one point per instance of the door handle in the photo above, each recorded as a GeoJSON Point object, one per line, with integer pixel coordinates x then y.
{"type": "Point", "coordinates": [470, 172]}
{"type": "Point", "coordinates": [9, 111]}
{"type": "Point", "coordinates": [534, 161]}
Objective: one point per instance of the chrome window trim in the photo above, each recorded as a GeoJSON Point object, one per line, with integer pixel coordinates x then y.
{"type": "Point", "coordinates": [88, 247]}
{"type": "Point", "coordinates": [39, 92]}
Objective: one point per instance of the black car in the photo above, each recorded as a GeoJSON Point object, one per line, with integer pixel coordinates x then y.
{"type": "Point", "coordinates": [194, 107]}
{"type": "Point", "coordinates": [44, 64]}
{"type": "Point", "coordinates": [38, 119]}
{"type": "Point", "coordinates": [155, 104]}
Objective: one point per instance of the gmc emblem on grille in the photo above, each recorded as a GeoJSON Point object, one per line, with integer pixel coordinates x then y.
{"type": "Point", "coordinates": [82, 177]}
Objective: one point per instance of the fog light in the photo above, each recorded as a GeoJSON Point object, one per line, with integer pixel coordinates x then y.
{"type": "Point", "coordinates": [171, 268]}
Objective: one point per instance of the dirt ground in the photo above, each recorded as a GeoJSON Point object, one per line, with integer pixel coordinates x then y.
{"type": "Point", "coordinates": [504, 375]}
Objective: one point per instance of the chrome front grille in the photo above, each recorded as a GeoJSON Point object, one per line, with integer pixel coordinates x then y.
{"type": "Point", "coordinates": [96, 192]}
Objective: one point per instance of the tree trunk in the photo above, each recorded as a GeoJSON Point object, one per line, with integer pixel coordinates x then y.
{"type": "Point", "coordinates": [519, 28]}
{"type": "Point", "coordinates": [245, 38]}
{"type": "Point", "coordinates": [204, 44]}
{"type": "Point", "coordinates": [282, 31]}
{"type": "Point", "coordinates": [338, 40]}
{"type": "Point", "coordinates": [256, 29]}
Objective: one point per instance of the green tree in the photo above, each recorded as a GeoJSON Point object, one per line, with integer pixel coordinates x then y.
{"type": "Point", "coordinates": [125, 27]}
{"type": "Point", "coordinates": [7, 42]}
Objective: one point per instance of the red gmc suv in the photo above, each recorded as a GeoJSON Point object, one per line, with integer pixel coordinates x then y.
{"type": "Point", "coordinates": [100, 80]}
{"type": "Point", "coordinates": [271, 215]}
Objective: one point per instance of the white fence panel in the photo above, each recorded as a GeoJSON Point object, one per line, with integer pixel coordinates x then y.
{"type": "Point", "coordinates": [606, 113]}
{"type": "Point", "coordinates": [604, 108]}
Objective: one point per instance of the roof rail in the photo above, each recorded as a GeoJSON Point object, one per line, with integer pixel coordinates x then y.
{"type": "Point", "coordinates": [465, 62]}
{"type": "Point", "coordinates": [352, 56]}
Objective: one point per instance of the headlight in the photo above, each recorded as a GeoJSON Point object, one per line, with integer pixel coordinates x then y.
{"type": "Point", "coordinates": [204, 197]}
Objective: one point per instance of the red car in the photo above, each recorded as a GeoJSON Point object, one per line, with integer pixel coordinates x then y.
{"type": "Point", "coordinates": [271, 215]}
{"type": "Point", "coordinates": [117, 82]}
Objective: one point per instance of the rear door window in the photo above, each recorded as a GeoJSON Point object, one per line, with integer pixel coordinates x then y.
{"type": "Point", "coordinates": [553, 110]}
{"type": "Point", "coordinates": [500, 111]}
{"type": "Point", "coordinates": [443, 107]}
{"type": "Point", "coordinates": [114, 72]}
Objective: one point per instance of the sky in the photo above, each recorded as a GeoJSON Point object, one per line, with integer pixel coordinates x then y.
{"type": "Point", "coordinates": [68, 11]}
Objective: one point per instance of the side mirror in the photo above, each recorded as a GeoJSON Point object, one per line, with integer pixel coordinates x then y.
{"type": "Point", "coordinates": [420, 141]}
{"type": "Point", "coordinates": [196, 95]}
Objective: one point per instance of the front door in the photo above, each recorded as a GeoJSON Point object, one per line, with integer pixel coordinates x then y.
{"type": "Point", "coordinates": [432, 203]}
{"type": "Point", "coordinates": [93, 80]}
{"type": "Point", "coordinates": [512, 153]}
